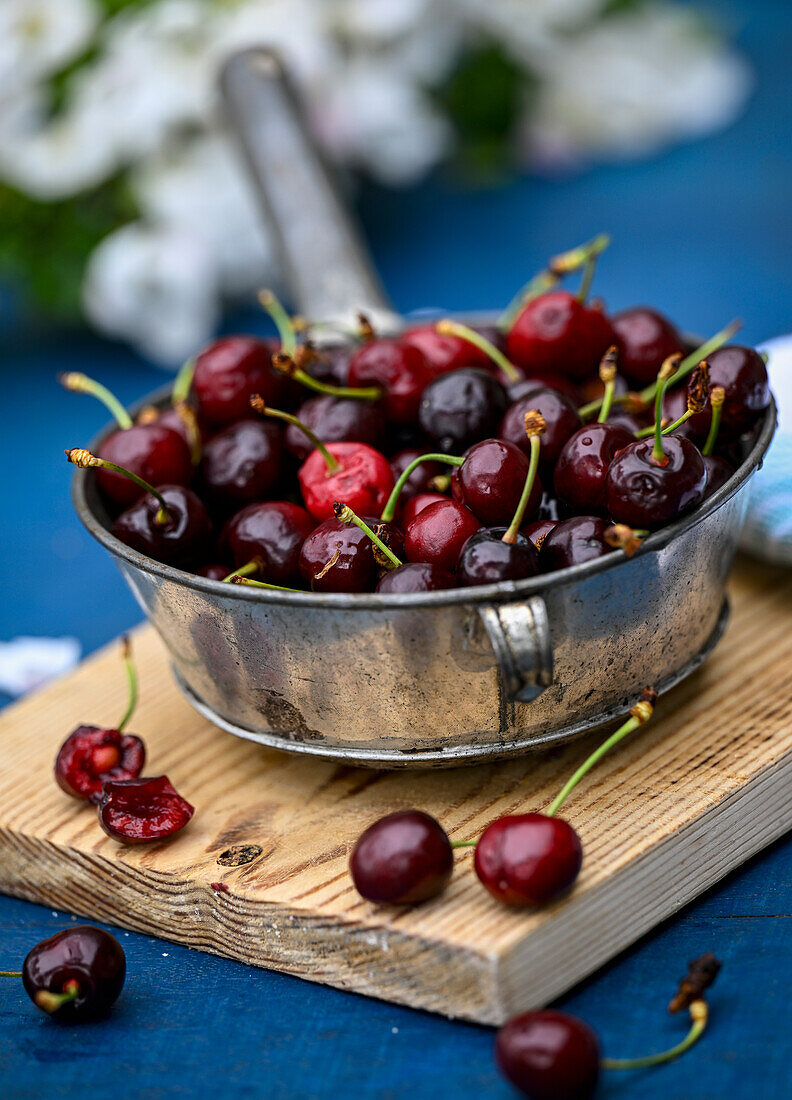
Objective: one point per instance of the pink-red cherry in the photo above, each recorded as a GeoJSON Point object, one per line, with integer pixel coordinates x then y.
{"type": "Point", "coordinates": [487, 559]}
{"type": "Point", "coordinates": [491, 479]}
{"type": "Point", "coordinates": [242, 463]}
{"type": "Point", "coordinates": [528, 859]}
{"type": "Point", "coordinates": [402, 859]}
{"type": "Point", "coordinates": [462, 407]}
{"type": "Point", "coordinates": [183, 540]}
{"type": "Point", "coordinates": [560, 417]}
{"type": "Point", "coordinates": [416, 577]}
{"type": "Point", "coordinates": [444, 353]}
{"type": "Point", "coordinates": [579, 478]}
{"type": "Point", "coordinates": [363, 480]}
{"type": "Point", "coordinates": [338, 557]}
{"type": "Point", "coordinates": [641, 493]}
{"type": "Point", "coordinates": [399, 369]}
{"type": "Point", "coordinates": [572, 542]}
{"type": "Point", "coordinates": [274, 531]}
{"type": "Point", "coordinates": [549, 1055]}
{"type": "Point", "coordinates": [75, 975]}
{"type": "Point", "coordinates": [416, 504]}
{"type": "Point", "coordinates": [154, 452]}
{"type": "Point", "coordinates": [137, 811]}
{"type": "Point", "coordinates": [335, 420]}
{"type": "Point", "coordinates": [228, 371]}
{"type": "Point", "coordinates": [558, 332]}
{"type": "Point", "coordinates": [438, 533]}
{"type": "Point", "coordinates": [646, 338]}
{"type": "Point", "coordinates": [91, 755]}
{"type": "Point", "coordinates": [742, 373]}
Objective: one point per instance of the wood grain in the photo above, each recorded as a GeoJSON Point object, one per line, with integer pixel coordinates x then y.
{"type": "Point", "coordinates": [699, 790]}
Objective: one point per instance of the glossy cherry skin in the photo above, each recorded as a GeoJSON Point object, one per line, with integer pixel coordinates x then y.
{"type": "Point", "coordinates": [242, 463]}
{"type": "Point", "coordinates": [355, 569]}
{"type": "Point", "coordinates": [642, 494]}
{"type": "Point", "coordinates": [399, 369]}
{"type": "Point", "coordinates": [718, 473]}
{"type": "Point", "coordinates": [560, 417]}
{"type": "Point", "coordinates": [742, 373]}
{"type": "Point", "coordinates": [137, 811]}
{"type": "Point", "coordinates": [697, 426]}
{"type": "Point", "coordinates": [229, 371]}
{"type": "Point", "coordinates": [274, 531]}
{"type": "Point", "coordinates": [528, 859]}
{"type": "Point", "coordinates": [87, 958]}
{"type": "Point", "coordinates": [183, 540]}
{"type": "Point", "coordinates": [402, 859]}
{"type": "Point", "coordinates": [572, 542]}
{"type": "Point", "coordinates": [460, 408]}
{"type": "Point", "coordinates": [417, 504]}
{"type": "Point", "coordinates": [538, 530]}
{"type": "Point", "coordinates": [363, 480]}
{"type": "Point", "coordinates": [557, 332]}
{"type": "Point", "coordinates": [444, 353]}
{"type": "Point", "coordinates": [214, 572]}
{"type": "Point", "coordinates": [335, 420]}
{"type": "Point", "coordinates": [491, 479]}
{"type": "Point", "coordinates": [438, 533]}
{"type": "Point", "coordinates": [544, 380]}
{"type": "Point", "coordinates": [90, 756]}
{"type": "Point", "coordinates": [549, 1056]}
{"type": "Point", "coordinates": [152, 451]}
{"type": "Point", "coordinates": [645, 339]}
{"type": "Point", "coordinates": [416, 577]}
{"type": "Point", "coordinates": [582, 466]}
{"type": "Point", "coordinates": [487, 559]}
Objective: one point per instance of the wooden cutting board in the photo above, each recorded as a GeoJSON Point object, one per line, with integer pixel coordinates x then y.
{"type": "Point", "coordinates": [260, 874]}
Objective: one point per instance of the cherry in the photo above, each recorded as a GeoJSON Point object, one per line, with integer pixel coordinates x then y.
{"type": "Point", "coordinates": [228, 371]}
{"type": "Point", "coordinates": [675, 405]}
{"type": "Point", "coordinates": [335, 420]}
{"type": "Point", "coordinates": [438, 533]}
{"type": "Point", "coordinates": [444, 353]}
{"type": "Point", "coordinates": [140, 810]}
{"type": "Point", "coordinates": [213, 572]}
{"type": "Point", "coordinates": [273, 531]}
{"type": "Point", "coordinates": [558, 332]}
{"type": "Point", "coordinates": [401, 859]}
{"type": "Point", "coordinates": [460, 408]}
{"type": "Point", "coordinates": [560, 417]}
{"type": "Point", "coordinates": [416, 504]}
{"type": "Point", "coordinates": [418, 481]}
{"type": "Point", "coordinates": [579, 478]}
{"type": "Point", "coordinates": [242, 463]}
{"type": "Point", "coordinates": [490, 481]}
{"type": "Point", "coordinates": [494, 359]}
{"type": "Point", "coordinates": [549, 1055]}
{"type": "Point", "coordinates": [399, 369]}
{"type": "Point", "coordinates": [646, 339]}
{"type": "Point", "coordinates": [338, 558]}
{"type": "Point", "coordinates": [572, 542]}
{"type": "Point", "coordinates": [718, 469]}
{"type": "Point", "coordinates": [416, 577]}
{"type": "Point", "coordinates": [329, 364]}
{"type": "Point", "coordinates": [528, 859]}
{"type": "Point", "coordinates": [544, 380]}
{"type": "Point", "coordinates": [75, 975]}
{"type": "Point", "coordinates": [743, 375]}
{"type": "Point", "coordinates": [718, 473]}
{"type": "Point", "coordinates": [537, 530]}
{"type": "Point", "coordinates": [642, 493]}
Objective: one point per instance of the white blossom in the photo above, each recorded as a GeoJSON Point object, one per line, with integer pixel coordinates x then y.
{"type": "Point", "coordinates": [38, 37]}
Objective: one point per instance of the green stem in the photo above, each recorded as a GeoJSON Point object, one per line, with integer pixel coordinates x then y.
{"type": "Point", "coordinates": [463, 332]}
{"type": "Point", "coordinates": [533, 465]}
{"type": "Point", "coordinates": [389, 511]}
{"type": "Point", "coordinates": [345, 514]}
{"type": "Point", "coordinates": [696, 1031]}
{"type": "Point", "coordinates": [51, 1002]}
{"type": "Point", "coordinates": [247, 570]}
{"type": "Point", "coordinates": [288, 336]}
{"type": "Point", "coordinates": [712, 435]}
{"type": "Point", "coordinates": [183, 383]}
{"type": "Point", "coordinates": [10, 973]}
{"type": "Point", "coordinates": [659, 456]}
{"type": "Point", "coordinates": [538, 285]}
{"type": "Point", "coordinates": [81, 383]}
{"type": "Point", "coordinates": [464, 843]}
{"type": "Point", "coordinates": [607, 401]}
{"type": "Point", "coordinates": [249, 583]}
{"type": "Point", "coordinates": [85, 460]}
{"type": "Point", "coordinates": [360, 393]}
{"type": "Point", "coordinates": [257, 403]}
{"type": "Point", "coordinates": [132, 683]}
{"type": "Point", "coordinates": [644, 433]}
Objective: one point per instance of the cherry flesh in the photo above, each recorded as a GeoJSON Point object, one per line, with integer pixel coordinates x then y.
{"type": "Point", "coordinates": [646, 338]}
{"type": "Point", "coordinates": [399, 369]}
{"type": "Point", "coordinates": [90, 756]}
{"type": "Point", "coordinates": [742, 373]}
{"type": "Point", "coordinates": [273, 531]}
{"type": "Point", "coordinates": [242, 463]}
{"type": "Point", "coordinates": [640, 493]}
{"type": "Point", "coordinates": [137, 811]}
{"type": "Point", "coordinates": [549, 1056]}
{"type": "Point", "coordinates": [582, 466]}
{"type": "Point", "coordinates": [363, 480]}
{"type": "Point", "coordinates": [416, 504]}
{"type": "Point", "coordinates": [491, 479]}
{"type": "Point", "coordinates": [487, 559]}
{"type": "Point", "coordinates": [183, 540]}
{"type": "Point", "coordinates": [438, 533]}
{"type": "Point", "coordinates": [154, 452]}
{"type": "Point", "coordinates": [402, 859]}
{"type": "Point", "coordinates": [572, 542]}
{"type": "Point", "coordinates": [335, 420]}
{"type": "Point", "coordinates": [528, 859]}
{"type": "Point", "coordinates": [416, 577]}
{"type": "Point", "coordinates": [228, 371]}
{"type": "Point", "coordinates": [338, 557]}
{"type": "Point", "coordinates": [560, 417]}
{"type": "Point", "coordinates": [460, 408]}
{"type": "Point", "coordinates": [75, 975]}
{"type": "Point", "coordinates": [444, 353]}
{"type": "Point", "coordinates": [557, 332]}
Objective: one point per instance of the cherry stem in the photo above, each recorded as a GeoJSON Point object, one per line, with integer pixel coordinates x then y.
{"type": "Point", "coordinates": [250, 583]}
{"type": "Point", "coordinates": [463, 332]}
{"type": "Point", "coordinates": [183, 382]}
{"type": "Point", "coordinates": [639, 715]}
{"type": "Point", "coordinates": [81, 383]}
{"type": "Point", "coordinates": [666, 429]}
{"type": "Point", "coordinates": [539, 284]}
{"type": "Point", "coordinates": [666, 373]}
{"type": "Point", "coordinates": [258, 404]}
{"type": "Point", "coordinates": [607, 373]}
{"type": "Point", "coordinates": [249, 569]}
{"type": "Point", "coordinates": [286, 365]}
{"type": "Point", "coordinates": [189, 419]}
{"type": "Point", "coordinates": [344, 514]}
{"type": "Point", "coordinates": [593, 250]}
{"type": "Point", "coordinates": [51, 1002]}
{"type": "Point", "coordinates": [717, 398]}
{"type": "Point", "coordinates": [389, 511]}
{"type": "Point", "coordinates": [699, 1014]}
{"type": "Point", "coordinates": [283, 322]}
{"type": "Point", "coordinates": [10, 973]}
{"type": "Point", "coordinates": [132, 682]}
{"type": "Point", "coordinates": [533, 465]}
{"type": "Point", "coordinates": [85, 460]}
{"type": "Point", "coordinates": [464, 843]}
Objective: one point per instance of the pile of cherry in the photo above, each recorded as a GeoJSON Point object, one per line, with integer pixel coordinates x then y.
{"type": "Point", "coordinates": [449, 456]}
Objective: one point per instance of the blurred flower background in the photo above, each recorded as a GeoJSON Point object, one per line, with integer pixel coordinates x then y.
{"type": "Point", "coordinates": [122, 198]}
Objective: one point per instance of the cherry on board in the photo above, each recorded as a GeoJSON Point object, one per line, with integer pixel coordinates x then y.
{"type": "Point", "coordinates": [91, 755]}
{"type": "Point", "coordinates": [140, 810]}
{"type": "Point", "coordinates": [528, 859]}
{"type": "Point", "coordinates": [403, 858]}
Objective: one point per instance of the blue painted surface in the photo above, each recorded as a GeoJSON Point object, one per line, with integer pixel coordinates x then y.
{"type": "Point", "coordinates": [704, 232]}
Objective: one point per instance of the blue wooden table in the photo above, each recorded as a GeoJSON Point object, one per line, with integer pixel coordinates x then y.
{"type": "Point", "coordinates": [704, 232]}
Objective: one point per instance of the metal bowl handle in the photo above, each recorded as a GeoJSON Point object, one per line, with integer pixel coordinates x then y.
{"type": "Point", "coordinates": [327, 266]}
{"type": "Point", "coordinates": [520, 637]}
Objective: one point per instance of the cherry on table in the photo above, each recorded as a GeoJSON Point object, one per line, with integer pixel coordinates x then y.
{"type": "Point", "coordinates": [438, 533]}
{"type": "Point", "coordinates": [403, 858]}
{"type": "Point", "coordinates": [549, 1055]}
{"type": "Point", "coordinates": [228, 371]}
{"type": "Point", "coordinates": [560, 417]}
{"type": "Point", "coordinates": [75, 975]}
{"type": "Point", "coordinates": [528, 859]}
{"type": "Point", "coordinates": [579, 477]}
{"type": "Point", "coordinates": [140, 810]}
{"type": "Point", "coordinates": [646, 338]}
{"type": "Point", "coordinates": [572, 542]}
{"type": "Point", "coordinates": [641, 493]}
{"type": "Point", "coordinates": [274, 531]}
{"type": "Point", "coordinates": [416, 577]}
{"type": "Point", "coordinates": [91, 755]}
{"type": "Point", "coordinates": [335, 420]}
{"type": "Point", "coordinates": [242, 463]}
{"type": "Point", "coordinates": [556, 331]}
{"type": "Point", "coordinates": [399, 369]}
{"type": "Point", "coordinates": [462, 407]}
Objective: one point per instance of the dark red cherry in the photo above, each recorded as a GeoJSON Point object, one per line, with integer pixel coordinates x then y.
{"type": "Point", "coordinates": [491, 479]}
{"type": "Point", "coordinates": [214, 572]}
{"type": "Point", "coordinates": [640, 493]}
{"type": "Point", "coordinates": [560, 417]}
{"type": "Point", "coordinates": [557, 332]}
{"type": "Point", "coordinates": [90, 755]}
{"type": "Point", "coordinates": [549, 1056]}
{"type": "Point", "coordinates": [718, 473]}
{"type": "Point", "coordinates": [545, 380]}
{"type": "Point", "coordinates": [152, 451]}
{"type": "Point", "coordinates": [528, 859]}
{"type": "Point", "coordinates": [537, 530]}
{"type": "Point", "coordinates": [646, 338]}
{"type": "Point", "coordinates": [363, 480]}
{"type": "Point", "coordinates": [460, 408]}
{"type": "Point", "coordinates": [401, 859]}
{"type": "Point", "coordinates": [399, 369]}
{"type": "Point", "coordinates": [140, 810]}
{"type": "Point", "coordinates": [418, 481]}
{"type": "Point", "coordinates": [329, 364]}
{"type": "Point", "coordinates": [579, 478]}
{"type": "Point", "coordinates": [438, 533]}
{"type": "Point", "coordinates": [274, 531]}
{"type": "Point", "coordinates": [184, 539]}
{"type": "Point", "coordinates": [417, 504]}
{"type": "Point", "coordinates": [228, 371]}
{"type": "Point", "coordinates": [170, 417]}
{"type": "Point", "coordinates": [335, 420]}
{"type": "Point", "coordinates": [444, 353]}
{"type": "Point", "coordinates": [338, 557]}
{"type": "Point", "coordinates": [675, 404]}
{"type": "Point", "coordinates": [573, 541]}
{"type": "Point", "coordinates": [487, 559]}
{"type": "Point", "coordinates": [75, 975]}
{"type": "Point", "coordinates": [242, 463]}
{"type": "Point", "coordinates": [416, 577]}
{"type": "Point", "coordinates": [743, 375]}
